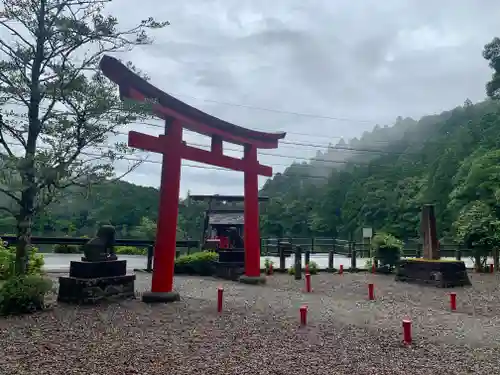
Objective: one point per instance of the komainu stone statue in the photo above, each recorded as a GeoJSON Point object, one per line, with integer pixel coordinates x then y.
{"type": "Point", "coordinates": [101, 247]}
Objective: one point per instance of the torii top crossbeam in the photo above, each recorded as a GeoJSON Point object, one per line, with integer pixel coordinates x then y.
{"type": "Point", "coordinates": [134, 87]}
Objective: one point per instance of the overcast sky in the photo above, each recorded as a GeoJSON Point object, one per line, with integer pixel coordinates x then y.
{"type": "Point", "coordinates": [366, 61]}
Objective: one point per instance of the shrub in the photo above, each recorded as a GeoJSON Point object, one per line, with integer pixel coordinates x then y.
{"type": "Point", "coordinates": [66, 249]}
{"type": "Point", "coordinates": [313, 268]}
{"type": "Point", "coordinates": [35, 262]}
{"type": "Point", "coordinates": [199, 263]}
{"type": "Point", "coordinates": [386, 250]}
{"type": "Point", "coordinates": [131, 250]}
{"type": "Point", "coordinates": [24, 294]}
{"type": "Point", "coordinates": [8, 262]}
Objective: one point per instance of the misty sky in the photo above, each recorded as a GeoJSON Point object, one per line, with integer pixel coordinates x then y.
{"type": "Point", "coordinates": [365, 61]}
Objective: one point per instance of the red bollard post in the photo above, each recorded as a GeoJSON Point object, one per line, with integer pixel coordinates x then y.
{"type": "Point", "coordinates": [220, 292]}
{"type": "Point", "coordinates": [373, 267]}
{"type": "Point", "coordinates": [341, 269]}
{"type": "Point", "coordinates": [407, 332]}
{"type": "Point", "coordinates": [371, 293]}
{"type": "Point", "coordinates": [307, 269]}
{"type": "Point", "coordinates": [303, 315]}
{"type": "Point", "coordinates": [270, 271]}
{"type": "Point", "coordinates": [492, 268]}
{"type": "Point", "coordinates": [308, 282]}
{"type": "Point", "coordinates": [453, 301]}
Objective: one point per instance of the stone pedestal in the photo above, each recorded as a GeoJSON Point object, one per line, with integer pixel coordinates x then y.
{"type": "Point", "coordinates": [252, 280]}
{"type": "Point", "coordinates": [165, 297]}
{"type": "Point", "coordinates": [90, 282]}
{"type": "Point", "coordinates": [440, 273]}
{"type": "Point", "coordinates": [231, 264]}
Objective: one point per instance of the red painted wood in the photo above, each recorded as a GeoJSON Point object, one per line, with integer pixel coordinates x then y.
{"type": "Point", "coordinates": [166, 231]}
{"type": "Point", "coordinates": [251, 229]}
{"type": "Point", "coordinates": [216, 145]}
{"type": "Point", "coordinates": [200, 128]}
{"type": "Point", "coordinates": [145, 142]}
{"type": "Point", "coordinates": [133, 86]}
{"type": "Point", "coordinates": [223, 161]}
{"type": "Point", "coordinates": [157, 144]}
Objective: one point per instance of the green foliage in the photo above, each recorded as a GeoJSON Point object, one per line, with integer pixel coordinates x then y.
{"type": "Point", "coordinates": [491, 53]}
{"type": "Point", "coordinates": [131, 250]}
{"type": "Point", "coordinates": [478, 228]}
{"type": "Point", "coordinates": [8, 260]}
{"type": "Point", "coordinates": [199, 263]}
{"type": "Point", "coordinates": [35, 262]}
{"type": "Point", "coordinates": [24, 294]}
{"type": "Point", "coordinates": [386, 249]}
{"type": "Point", "coordinates": [66, 249]}
{"type": "Point", "coordinates": [313, 268]}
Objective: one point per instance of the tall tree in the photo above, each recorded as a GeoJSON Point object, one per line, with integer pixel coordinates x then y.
{"type": "Point", "coordinates": [491, 52]}
{"type": "Point", "coordinates": [58, 109]}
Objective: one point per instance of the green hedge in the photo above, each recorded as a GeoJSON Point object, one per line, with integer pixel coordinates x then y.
{"type": "Point", "coordinates": [200, 263]}
{"type": "Point", "coordinates": [77, 249]}
{"type": "Point", "coordinates": [66, 249]}
{"type": "Point", "coordinates": [131, 250]}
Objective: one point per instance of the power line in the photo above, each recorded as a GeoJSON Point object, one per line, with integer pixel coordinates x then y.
{"type": "Point", "coordinates": [325, 145]}
{"type": "Point", "coordinates": [277, 111]}
{"type": "Point", "coordinates": [294, 144]}
{"type": "Point", "coordinates": [145, 160]}
{"type": "Point", "coordinates": [266, 109]}
{"type": "Point", "coordinates": [263, 153]}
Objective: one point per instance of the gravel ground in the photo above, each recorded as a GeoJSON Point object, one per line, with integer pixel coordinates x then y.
{"type": "Point", "coordinates": [258, 332]}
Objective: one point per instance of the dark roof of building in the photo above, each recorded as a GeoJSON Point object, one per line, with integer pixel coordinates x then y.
{"type": "Point", "coordinates": [232, 218]}
{"type": "Point", "coordinates": [221, 198]}
{"type": "Point", "coordinates": [199, 121]}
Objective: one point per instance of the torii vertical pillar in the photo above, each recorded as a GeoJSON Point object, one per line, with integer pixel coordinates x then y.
{"type": "Point", "coordinates": [251, 229]}
{"type": "Point", "coordinates": [166, 230]}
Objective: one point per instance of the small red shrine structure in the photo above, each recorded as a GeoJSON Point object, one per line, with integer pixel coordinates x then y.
{"type": "Point", "coordinates": [179, 115]}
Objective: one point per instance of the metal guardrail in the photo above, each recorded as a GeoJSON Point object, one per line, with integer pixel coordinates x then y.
{"type": "Point", "coordinates": [362, 250]}
{"type": "Point", "coordinates": [81, 241]}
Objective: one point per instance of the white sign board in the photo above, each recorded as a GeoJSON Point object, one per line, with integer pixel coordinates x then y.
{"type": "Point", "coordinates": [367, 232]}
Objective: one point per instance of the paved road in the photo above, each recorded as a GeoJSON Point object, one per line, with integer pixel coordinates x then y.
{"type": "Point", "coordinates": [60, 262]}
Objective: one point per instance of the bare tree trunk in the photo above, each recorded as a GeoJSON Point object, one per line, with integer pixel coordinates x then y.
{"type": "Point", "coordinates": [27, 167]}
{"type": "Point", "coordinates": [24, 221]}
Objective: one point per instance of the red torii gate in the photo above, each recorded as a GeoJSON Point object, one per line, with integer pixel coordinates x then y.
{"type": "Point", "coordinates": [179, 115]}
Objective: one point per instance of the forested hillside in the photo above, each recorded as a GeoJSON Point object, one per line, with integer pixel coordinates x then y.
{"type": "Point", "coordinates": [132, 209]}
{"type": "Point", "coordinates": [449, 160]}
